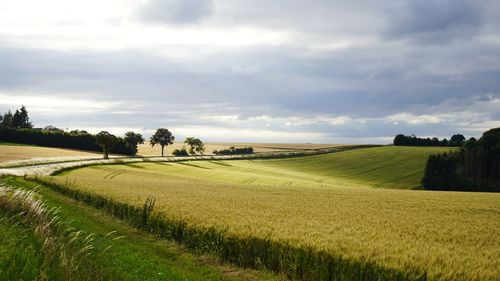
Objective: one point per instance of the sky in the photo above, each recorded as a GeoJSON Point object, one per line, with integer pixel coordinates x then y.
{"type": "Point", "coordinates": [319, 71]}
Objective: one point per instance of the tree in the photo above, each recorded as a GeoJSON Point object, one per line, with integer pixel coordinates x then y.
{"type": "Point", "coordinates": [106, 141]}
{"type": "Point", "coordinates": [196, 145]}
{"type": "Point", "coordinates": [475, 167]}
{"type": "Point", "coordinates": [490, 140]}
{"type": "Point", "coordinates": [457, 140]}
{"type": "Point", "coordinates": [132, 140]}
{"type": "Point", "coordinates": [470, 143]}
{"type": "Point", "coordinates": [163, 137]}
{"type": "Point", "coordinates": [399, 140]}
{"type": "Point", "coordinates": [444, 142]}
{"type": "Point", "coordinates": [20, 120]}
{"type": "Point", "coordinates": [7, 120]}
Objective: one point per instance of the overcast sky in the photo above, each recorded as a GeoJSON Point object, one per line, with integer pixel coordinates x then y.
{"type": "Point", "coordinates": [323, 71]}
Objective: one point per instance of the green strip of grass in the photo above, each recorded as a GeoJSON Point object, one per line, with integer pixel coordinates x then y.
{"type": "Point", "coordinates": [137, 256]}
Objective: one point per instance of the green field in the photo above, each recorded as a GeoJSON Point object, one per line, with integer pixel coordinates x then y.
{"type": "Point", "coordinates": [388, 167]}
{"type": "Point", "coordinates": [324, 203]}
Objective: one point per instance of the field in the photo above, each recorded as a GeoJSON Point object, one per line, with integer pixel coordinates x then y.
{"type": "Point", "coordinates": [118, 251]}
{"type": "Point", "coordinates": [147, 150]}
{"type": "Point", "coordinates": [9, 152]}
{"type": "Point", "coordinates": [325, 203]}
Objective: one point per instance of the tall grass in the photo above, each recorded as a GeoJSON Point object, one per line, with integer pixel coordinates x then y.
{"type": "Point", "coordinates": [297, 263]}
{"type": "Point", "coordinates": [64, 251]}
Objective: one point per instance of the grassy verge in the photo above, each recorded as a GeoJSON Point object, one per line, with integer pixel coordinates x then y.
{"type": "Point", "coordinates": [298, 263]}
{"type": "Point", "coordinates": [19, 253]}
{"type": "Point", "coordinates": [136, 256]}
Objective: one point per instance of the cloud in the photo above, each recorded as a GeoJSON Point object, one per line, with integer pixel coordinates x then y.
{"type": "Point", "coordinates": [413, 119]}
{"type": "Point", "coordinates": [335, 71]}
{"type": "Point", "coordinates": [176, 12]}
{"type": "Point", "coordinates": [484, 98]}
{"type": "Point", "coordinates": [434, 20]}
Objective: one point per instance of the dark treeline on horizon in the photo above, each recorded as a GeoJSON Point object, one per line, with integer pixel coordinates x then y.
{"type": "Point", "coordinates": [476, 167]}
{"type": "Point", "coordinates": [412, 140]}
{"type": "Point", "coordinates": [17, 128]}
{"type": "Point", "coordinates": [61, 139]}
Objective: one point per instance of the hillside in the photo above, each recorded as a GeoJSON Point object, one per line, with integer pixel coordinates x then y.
{"type": "Point", "coordinates": [388, 167]}
{"type": "Point", "coordinates": [330, 209]}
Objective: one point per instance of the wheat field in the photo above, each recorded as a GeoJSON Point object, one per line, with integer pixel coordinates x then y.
{"type": "Point", "coordinates": [448, 235]}
{"type": "Point", "coordinates": [22, 152]}
{"type": "Point", "coordinates": [148, 150]}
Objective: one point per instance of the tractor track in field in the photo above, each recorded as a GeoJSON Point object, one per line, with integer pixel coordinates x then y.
{"type": "Point", "coordinates": [52, 166]}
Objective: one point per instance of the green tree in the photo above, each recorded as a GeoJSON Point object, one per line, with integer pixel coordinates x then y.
{"type": "Point", "coordinates": [7, 120]}
{"type": "Point", "coordinates": [21, 120]}
{"type": "Point", "coordinates": [163, 137]}
{"type": "Point", "coordinates": [457, 140]}
{"type": "Point", "coordinates": [132, 140]}
{"type": "Point", "coordinates": [106, 141]}
{"type": "Point", "coordinates": [196, 145]}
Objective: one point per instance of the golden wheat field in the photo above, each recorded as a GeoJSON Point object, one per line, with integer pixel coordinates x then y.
{"type": "Point", "coordinates": [23, 152]}
{"type": "Point", "coordinates": [148, 150]}
{"type": "Point", "coordinates": [449, 235]}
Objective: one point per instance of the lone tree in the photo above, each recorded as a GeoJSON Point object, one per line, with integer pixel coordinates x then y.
{"type": "Point", "coordinates": [132, 140]}
{"type": "Point", "coordinates": [106, 141]}
{"type": "Point", "coordinates": [196, 145]}
{"type": "Point", "coordinates": [163, 137]}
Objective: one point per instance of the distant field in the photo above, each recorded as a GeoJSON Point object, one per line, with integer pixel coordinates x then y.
{"type": "Point", "coordinates": [388, 167]}
{"type": "Point", "coordinates": [147, 150]}
{"type": "Point", "coordinates": [323, 202]}
{"type": "Point", "coordinates": [9, 152]}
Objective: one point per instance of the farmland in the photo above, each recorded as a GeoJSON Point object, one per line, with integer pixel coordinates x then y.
{"type": "Point", "coordinates": [325, 203]}
{"type": "Point", "coordinates": [147, 150]}
{"type": "Point", "coordinates": [10, 152]}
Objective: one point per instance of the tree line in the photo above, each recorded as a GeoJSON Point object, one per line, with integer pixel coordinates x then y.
{"type": "Point", "coordinates": [17, 128]}
{"type": "Point", "coordinates": [475, 167]}
{"type": "Point", "coordinates": [457, 140]}
{"type": "Point", "coordinates": [17, 120]}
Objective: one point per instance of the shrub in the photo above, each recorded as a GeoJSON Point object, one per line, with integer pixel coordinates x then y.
{"type": "Point", "coordinates": [180, 152]}
{"type": "Point", "coordinates": [232, 151]}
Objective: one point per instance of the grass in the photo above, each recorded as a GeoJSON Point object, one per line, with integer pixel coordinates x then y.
{"type": "Point", "coordinates": [128, 254]}
{"type": "Point", "coordinates": [53, 250]}
{"type": "Point", "coordinates": [19, 253]}
{"type": "Point", "coordinates": [320, 205]}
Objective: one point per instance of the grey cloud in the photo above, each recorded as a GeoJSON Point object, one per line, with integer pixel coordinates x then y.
{"type": "Point", "coordinates": [484, 98]}
{"type": "Point", "coordinates": [435, 20]}
{"type": "Point", "coordinates": [177, 12]}
{"type": "Point", "coordinates": [370, 80]}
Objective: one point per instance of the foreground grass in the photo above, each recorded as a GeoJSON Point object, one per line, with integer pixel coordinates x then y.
{"type": "Point", "coordinates": [133, 256]}
{"type": "Point", "coordinates": [446, 235]}
{"type": "Point", "coordinates": [19, 253]}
